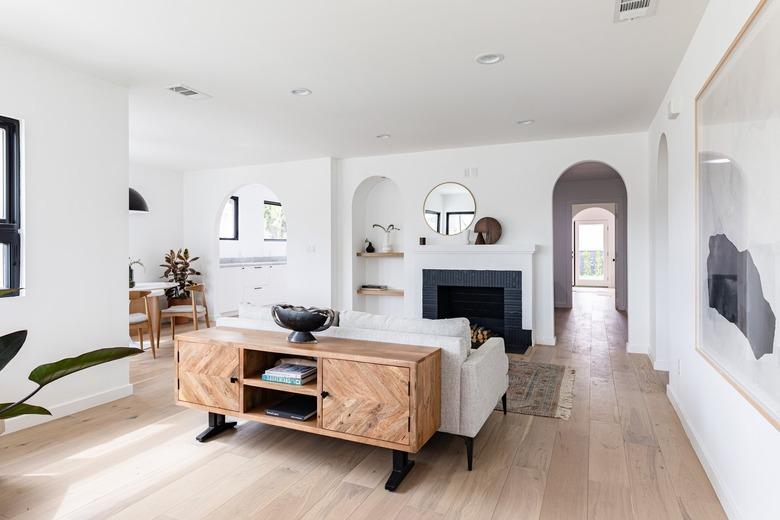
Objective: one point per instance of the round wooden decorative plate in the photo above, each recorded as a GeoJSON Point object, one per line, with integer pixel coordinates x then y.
{"type": "Point", "coordinates": [488, 230]}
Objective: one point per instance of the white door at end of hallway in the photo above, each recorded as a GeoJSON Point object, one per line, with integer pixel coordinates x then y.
{"type": "Point", "coordinates": [591, 253]}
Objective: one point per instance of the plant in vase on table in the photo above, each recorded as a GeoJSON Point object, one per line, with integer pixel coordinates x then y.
{"type": "Point", "coordinates": [387, 245]}
{"type": "Point", "coordinates": [178, 270]}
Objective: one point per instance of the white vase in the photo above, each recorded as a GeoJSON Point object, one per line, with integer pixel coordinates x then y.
{"type": "Point", "coordinates": [387, 245]}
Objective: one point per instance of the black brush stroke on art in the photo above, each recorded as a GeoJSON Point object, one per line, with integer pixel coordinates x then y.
{"type": "Point", "coordinates": [734, 285]}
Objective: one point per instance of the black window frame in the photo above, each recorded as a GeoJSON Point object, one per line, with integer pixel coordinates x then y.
{"type": "Point", "coordinates": [234, 198]}
{"type": "Point", "coordinates": [438, 218]}
{"type": "Point", "coordinates": [11, 224]}
{"type": "Point", "coordinates": [447, 220]}
{"type": "Point", "coordinates": [271, 203]}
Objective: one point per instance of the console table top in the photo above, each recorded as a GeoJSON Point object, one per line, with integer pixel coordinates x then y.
{"type": "Point", "coordinates": [327, 347]}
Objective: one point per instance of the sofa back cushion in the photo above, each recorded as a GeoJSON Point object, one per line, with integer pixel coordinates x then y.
{"type": "Point", "coordinates": [452, 327]}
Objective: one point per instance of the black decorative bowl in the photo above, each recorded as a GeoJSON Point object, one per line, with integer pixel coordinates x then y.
{"type": "Point", "coordinates": [302, 321]}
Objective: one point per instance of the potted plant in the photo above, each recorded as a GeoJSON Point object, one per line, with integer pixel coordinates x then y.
{"type": "Point", "coordinates": [132, 263]}
{"type": "Point", "coordinates": [387, 246]}
{"type": "Point", "coordinates": [10, 344]}
{"type": "Point", "coordinates": [178, 270]}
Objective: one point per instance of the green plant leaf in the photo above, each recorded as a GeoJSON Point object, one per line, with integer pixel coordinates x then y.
{"type": "Point", "coordinates": [45, 374]}
{"type": "Point", "coordinates": [22, 409]}
{"type": "Point", "coordinates": [10, 345]}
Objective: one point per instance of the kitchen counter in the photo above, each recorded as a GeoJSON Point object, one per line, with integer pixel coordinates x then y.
{"type": "Point", "coordinates": [252, 261]}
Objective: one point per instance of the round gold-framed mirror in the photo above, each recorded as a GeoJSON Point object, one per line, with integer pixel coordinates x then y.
{"type": "Point", "coordinates": [449, 208]}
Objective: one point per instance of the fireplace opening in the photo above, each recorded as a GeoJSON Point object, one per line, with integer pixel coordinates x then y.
{"type": "Point", "coordinates": [488, 299]}
{"type": "Point", "coordinates": [482, 306]}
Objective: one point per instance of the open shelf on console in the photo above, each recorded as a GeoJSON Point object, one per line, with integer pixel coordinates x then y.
{"type": "Point", "coordinates": [307, 389]}
{"type": "Point", "coordinates": [258, 414]}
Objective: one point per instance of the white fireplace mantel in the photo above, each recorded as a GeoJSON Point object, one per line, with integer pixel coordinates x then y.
{"type": "Point", "coordinates": [477, 249]}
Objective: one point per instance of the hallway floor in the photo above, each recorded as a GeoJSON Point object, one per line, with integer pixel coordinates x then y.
{"type": "Point", "coordinates": [622, 455]}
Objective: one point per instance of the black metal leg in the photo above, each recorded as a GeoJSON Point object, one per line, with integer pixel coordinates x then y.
{"type": "Point", "coordinates": [401, 466]}
{"type": "Point", "coordinates": [217, 425]}
{"type": "Point", "coordinates": [503, 402]}
{"type": "Point", "coordinates": [469, 450]}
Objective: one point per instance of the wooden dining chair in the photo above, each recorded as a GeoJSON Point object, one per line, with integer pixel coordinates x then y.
{"type": "Point", "coordinates": [140, 319]}
{"type": "Point", "coordinates": [193, 312]}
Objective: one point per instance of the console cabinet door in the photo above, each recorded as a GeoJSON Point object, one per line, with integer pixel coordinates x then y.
{"type": "Point", "coordinates": [205, 372]}
{"type": "Point", "coordinates": [366, 399]}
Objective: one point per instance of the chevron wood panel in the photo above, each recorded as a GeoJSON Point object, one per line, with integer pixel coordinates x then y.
{"type": "Point", "coordinates": [204, 373]}
{"type": "Point", "coordinates": [366, 399]}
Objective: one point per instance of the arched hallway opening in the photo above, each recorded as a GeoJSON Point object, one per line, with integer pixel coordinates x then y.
{"type": "Point", "coordinates": [590, 237]}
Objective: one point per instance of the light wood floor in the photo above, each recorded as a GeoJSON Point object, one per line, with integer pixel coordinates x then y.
{"type": "Point", "coordinates": [622, 455]}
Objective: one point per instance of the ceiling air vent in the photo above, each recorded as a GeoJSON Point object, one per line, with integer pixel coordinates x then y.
{"type": "Point", "coordinates": [188, 92]}
{"type": "Point", "coordinates": [632, 9]}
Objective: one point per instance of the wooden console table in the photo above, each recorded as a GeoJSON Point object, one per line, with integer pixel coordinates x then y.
{"type": "Point", "coordinates": [381, 394]}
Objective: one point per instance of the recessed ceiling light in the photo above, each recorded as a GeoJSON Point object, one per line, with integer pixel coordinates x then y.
{"type": "Point", "coordinates": [383, 136]}
{"type": "Point", "coordinates": [300, 92]}
{"type": "Point", "coordinates": [526, 122]}
{"type": "Point", "coordinates": [490, 58]}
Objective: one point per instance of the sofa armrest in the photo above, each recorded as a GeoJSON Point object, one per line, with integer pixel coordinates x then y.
{"type": "Point", "coordinates": [483, 380]}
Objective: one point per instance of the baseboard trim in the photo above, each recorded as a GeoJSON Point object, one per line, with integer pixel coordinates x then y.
{"type": "Point", "coordinates": [549, 342]}
{"type": "Point", "coordinates": [634, 349]}
{"type": "Point", "coordinates": [662, 365]}
{"type": "Point", "coordinates": [726, 500]}
{"type": "Point", "coordinates": [68, 408]}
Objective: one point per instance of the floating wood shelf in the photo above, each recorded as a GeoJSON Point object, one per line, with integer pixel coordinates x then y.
{"type": "Point", "coordinates": [309, 388]}
{"type": "Point", "coordinates": [397, 254]}
{"type": "Point", "coordinates": [380, 292]}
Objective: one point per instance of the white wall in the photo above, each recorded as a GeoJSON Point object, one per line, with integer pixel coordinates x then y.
{"type": "Point", "coordinates": [514, 184]}
{"type": "Point", "coordinates": [303, 187]}
{"type": "Point", "coordinates": [157, 232]}
{"type": "Point", "coordinates": [739, 448]}
{"type": "Point", "coordinates": [75, 160]}
{"type": "Point", "coordinates": [251, 226]}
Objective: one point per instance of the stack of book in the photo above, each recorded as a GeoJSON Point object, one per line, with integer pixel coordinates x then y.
{"type": "Point", "coordinates": [290, 374]}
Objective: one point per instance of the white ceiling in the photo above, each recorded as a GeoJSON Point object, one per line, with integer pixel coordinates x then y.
{"type": "Point", "coordinates": [401, 67]}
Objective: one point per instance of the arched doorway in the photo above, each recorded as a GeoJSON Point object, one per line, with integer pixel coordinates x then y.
{"type": "Point", "coordinates": [252, 244]}
{"type": "Point", "coordinates": [660, 303]}
{"type": "Point", "coordinates": [377, 200]}
{"type": "Point", "coordinates": [585, 185]}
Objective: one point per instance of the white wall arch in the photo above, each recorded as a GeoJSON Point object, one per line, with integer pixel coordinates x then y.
{"type": "Point", "coordinates": [257, 284]}
{"type": "Point", "coordinates": [377, 200]}
{"type": "Point", "coordinates": [588, 182]}
{"type": "Point", "coordinates": [659, 344]}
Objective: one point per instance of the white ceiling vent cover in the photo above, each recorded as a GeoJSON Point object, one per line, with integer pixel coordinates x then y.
{"type": "Point", "coordinates": [188, 92]}
{"type": "Point", "coordinates": [632, 9]}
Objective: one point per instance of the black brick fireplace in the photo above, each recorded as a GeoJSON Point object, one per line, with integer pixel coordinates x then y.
{"type": "Point", "coordinates": [492, 299]}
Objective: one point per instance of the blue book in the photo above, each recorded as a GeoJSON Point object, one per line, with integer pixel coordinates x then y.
{"type": "Point", "coordinates": [287, 380]}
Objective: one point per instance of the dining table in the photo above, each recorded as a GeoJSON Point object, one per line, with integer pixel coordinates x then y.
{"type": "Point", "coordinates": [155, 299]}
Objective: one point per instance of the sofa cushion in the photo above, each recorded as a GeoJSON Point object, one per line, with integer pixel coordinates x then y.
{"type": "Point", "coordinates": [452, 327]}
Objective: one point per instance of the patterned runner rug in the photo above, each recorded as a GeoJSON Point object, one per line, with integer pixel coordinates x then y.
{"type": "Point", "coordinates": [539, 389]}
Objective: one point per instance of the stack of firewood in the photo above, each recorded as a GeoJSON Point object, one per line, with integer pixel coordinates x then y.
{"type": "Point", "coordinates": [479, 335]}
